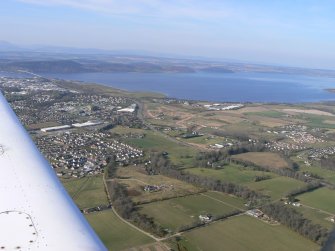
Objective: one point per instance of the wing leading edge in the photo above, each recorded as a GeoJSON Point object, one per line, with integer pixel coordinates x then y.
{"type": "Point", "coordinates": [36, 213]}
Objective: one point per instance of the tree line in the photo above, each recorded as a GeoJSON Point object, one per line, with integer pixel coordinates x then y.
{"type": "Point", "coordinates": [161, 165]}
{"type": "Point", "coordinates": [127, 209]}
{"type": "Point", "coordinates": [295, 221]}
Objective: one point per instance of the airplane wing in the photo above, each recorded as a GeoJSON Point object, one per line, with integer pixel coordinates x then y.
{"type": "Point", "coordinates": [36, 213]}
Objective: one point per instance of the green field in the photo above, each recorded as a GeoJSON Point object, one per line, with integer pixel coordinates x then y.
{"type": "Point", "coordinates": [316, 216]}
{"type": "Point", "coordinates": [322, 198]}
{"type": "Point", "coordinates": [277, 187]}
{"type": "Point", "coordinates": [328, 175]}
{"type": "Point", "coordinates": [134, 179]}
{"type": "Point", "coordinates": [157, 142]}
{"type": "Point", "coordinates": [232, 173]}
{"type": "Point", "coordinates": [271, 114]}
{"type": "Point", "coordinates": [244, 233]}
{"type": "Point", "coordinates": [205, 140]}
{"type": "Point", "coordinates": [87, 192]}
{"type": "Point", "coordinates": [114, 233]}
{"type": "Point", "coordinates": [316, 121]}
{"type": "Point", "coordinates": [263, 159]}
{"type": "Point", "coordinates": [174, 213]}
{"type": "Point", "coordinates": [227, 198]}
{"type": "Point", "coordinates": [154, 141]}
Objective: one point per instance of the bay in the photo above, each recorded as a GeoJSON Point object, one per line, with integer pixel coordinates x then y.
{"type": "Point", "coordinates": [230, 87]}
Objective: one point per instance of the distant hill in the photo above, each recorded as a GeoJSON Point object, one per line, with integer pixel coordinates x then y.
{"type": "Point", "coordinates": [6, 46]}
{"type": "Point", "coordinates": [217, 70]}
{"type": "Point", "coordinates": [59, 66]}
{"type": "Point", "coordinates": [71, 66]}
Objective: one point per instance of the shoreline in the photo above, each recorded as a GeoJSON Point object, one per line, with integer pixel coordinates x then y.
{"type": "Point", "coordinates": [155, 94]}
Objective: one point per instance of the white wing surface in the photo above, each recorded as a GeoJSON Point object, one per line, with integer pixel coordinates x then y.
{"type": "Point", "coordinates": [36, 213]}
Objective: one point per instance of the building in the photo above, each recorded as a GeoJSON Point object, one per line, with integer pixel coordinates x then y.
{"type": "Point", "coordinates": [205, 218]}
{"type": "Point", "coordinates": [56, 128]}
{"type": "Point", "coordinates": [130, 109]}
{"type": "Point", "coordinates": [86, 124]}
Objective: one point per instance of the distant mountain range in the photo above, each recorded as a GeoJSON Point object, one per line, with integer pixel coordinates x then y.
{"type": "Point", "coordinates": [53, 59]}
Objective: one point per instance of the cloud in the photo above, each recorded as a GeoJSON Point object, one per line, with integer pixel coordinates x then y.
{"type": "Point", "coordinates": [149, 8]}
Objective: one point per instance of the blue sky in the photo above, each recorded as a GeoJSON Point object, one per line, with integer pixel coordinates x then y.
{"type": "Point", "coordinates": [287, 32]}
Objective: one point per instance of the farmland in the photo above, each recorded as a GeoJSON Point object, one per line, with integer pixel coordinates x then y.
{"type": "Point", "coordinates": [114, 233]}
{"type": "Point", "coordinates": [276, 188]}
{"type": "Point", "coordinates": [135, 181]}
{"type": "Point", "coordinates": [154, 141]}
{"type": "Point", "coordinates": [321, 198]}
{"type": "Point", "coordinates": [263, 159]}
{"type": "Point", "coordinates": [178, 212]}
{"type": "Point", "coordinates": [87, 192]}
{"type": "Point", "coordinates": [246, 233]}
{"type": "Point", "coordinates": [317, 216]}
{"type": "Point", "coordinates": [187, 147]}
{"type": "Point", "coordinates": [232, 173]}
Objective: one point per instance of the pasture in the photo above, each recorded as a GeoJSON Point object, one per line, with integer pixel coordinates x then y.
{"type": "Point", "coordinates": [231, 173]}
{"type": "Point", "coordinates": [114, 233]}
{"type": "Point", "coordinates": [154, 141]}
{"type": "Point", "coordinates": [178, 212]}
{"type": "Point", "coordinates": [322, 198]}
{"type": "Point", "coordinates": [316, 216]}
{"type": "Point", "coordinates": [277, 187]}
{"type": "Point", "coordinates": [244, 233]}
{"type": "Point", "coordinates": [87, 192]}
{"type": "Point", "coordinates": [263, 159]}
{"type": "Point", "coordinates": [135, 180]}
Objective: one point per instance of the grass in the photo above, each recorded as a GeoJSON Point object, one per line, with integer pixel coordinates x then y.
{"type": "Point", "coordinates": [322, 198]}
{"type": "Point", "coordinates": [277, 187]}
{"type": "Point", "coordinates": [271, 114]}
{"type": "Point", "coordinates": [114, 233]}
{"type": "Point", "coordinates": [229, 199]}
{"type": "Point", "coordinates": [205, 140]}
{"type": "Point", "coordinates": [87, 192]}
{"type": "Point", "coordinates": [328, 175]}
{"type": "Point", "coordinates": [316, 121]}
{"type": "Point", "coordinates": [245, 233]}
{"type": "Point", "coordinates": [135, 180]}
{"type": "Point", "coordinates": [154, 141]}
{"type": "Point", "coordinates": [231, 173]}
{"type": "Point", "coordinates": [316, 216]}
{"type": "Point", "coordinates": [263, 159]}
{"type": "Point", "coordinates": [174, 213]}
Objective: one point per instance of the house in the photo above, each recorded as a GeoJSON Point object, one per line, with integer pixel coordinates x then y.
{"type": "Point", "coordinates": [255, 213]}
{"type": "Point", "coordinates": [151, 188]}
{"type": "Point", "coordinates": [205, 218]}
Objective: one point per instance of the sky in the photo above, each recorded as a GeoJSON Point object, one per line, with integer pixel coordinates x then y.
{"type": "Point", "coordinates": [285, 32]}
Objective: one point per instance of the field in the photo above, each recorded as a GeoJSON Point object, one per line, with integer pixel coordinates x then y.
{"type": "Point", "coordinates": [114, 233]}
{"type": "Point", "coordinates": [231, 173]}
{"type": "Point", "coordinates": [316, 216]}
{"type": "Point", "coordinates": [135, 180]}
{"type": "Point", "coordinates": [322, 198]}
{"type": "Point", "coordinates": [328, 175]}
{"type": "Point", "coordinates": [243, 233]}
{"type": "Point", "coordinates": [269, 118]}
{"type": "Point", "coordinates": [154, 141]}
{"type": "Point", "coordinates": [226, 198]}
{"type": "Point", "coordinates": [87, 192]}
{"type": "Point", "coordinates": [268, 113]}
{"type": "Point", "coordinates": [174, 213]}
{"type": "Point", "coordinates": [317, 121]}
{"type": "Point", "coordinates": [263, 159]}
{"type": "Point", "coordinates": [277, 187]}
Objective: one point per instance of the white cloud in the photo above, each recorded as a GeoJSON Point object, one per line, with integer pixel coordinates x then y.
{"type": "Point", "coordinates": [149, 8]}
